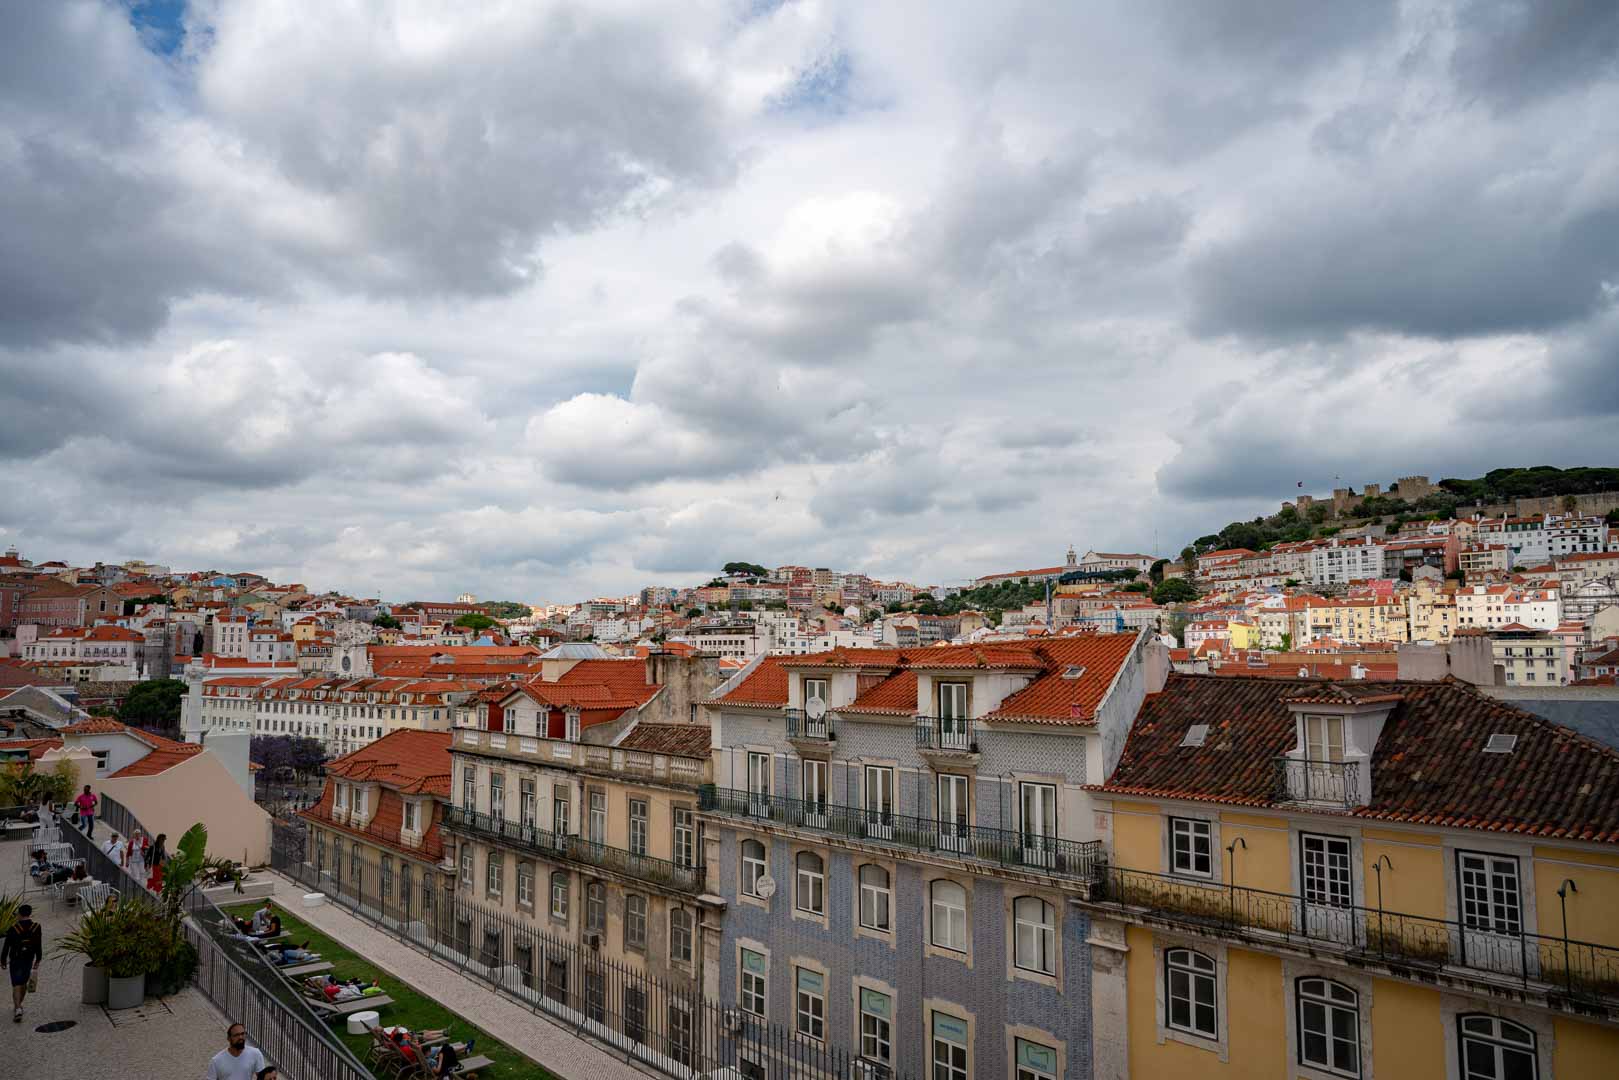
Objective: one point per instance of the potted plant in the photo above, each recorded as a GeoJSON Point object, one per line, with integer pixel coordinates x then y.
{"type": "Point", "coordinates": [135, 947]}
{"type": "Point", "coordinates": [92, 939]}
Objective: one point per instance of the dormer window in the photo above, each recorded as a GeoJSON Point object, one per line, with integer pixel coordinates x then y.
{"type": "Point", "coordinates": [952, 700]}
{"type": "Point", "coordinates": [1323, 738]}
{"type": "Point", "coordinates": [341, 799]}
{"type": "Point", "coordinates": [410, 816]}
{"type": "Point", "coordinates": [815, 688]}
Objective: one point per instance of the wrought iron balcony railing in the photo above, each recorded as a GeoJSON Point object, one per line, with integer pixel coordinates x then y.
{"type": "Point", "coordinates": [1334, 783]}
{"type": "Point", "coordinates": [1003, 847]}
{"type": "Point", "coordinates": [946, 733]}
{"type": "Point", "coordinates": [800, 725]}
{"type": "Point", "coordinates": [577, 849]}
{"type": "Point", "coordinates": [1492, 953]}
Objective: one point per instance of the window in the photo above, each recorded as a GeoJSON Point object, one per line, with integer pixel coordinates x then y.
{"type": "Point", "coordinates": [598, 817]}
{"type": "Point", "coordinates": [526, 801]}
{"type": "Point", "coordinates": [879, 801]}
{"type": "Point", "coordinates": [811, 1011]}
{"type": "Point", "coordinates": [320, 851]}
{"type": "Point", "coordinates": [469, 789]}
{"type": "Point", "coordinates": [952, 806]}
{"type": "Point", "coordinates": [635, 1013]}
{"type": "Point", "coordinates": [814, 688]}
{"type": "Point", "coordinates": [387, 877]}
{"type": "Point", "coordinates": [681, 1031]}
{"type": "Point", "coordinates": [1191, 847]}
{"type": "Point", "coordinates": [876, 898]}
{"type": "Point", "coordinates": [354, 861]}
{"type": "Point", "coordinates": [876, 1027]}
{"type": "Point", "coordinates": [685, 837]}
{"type": "Point", "coordinates": [492, 874]}
{"type": "Point", "coordinates": [596, 997]}
{"type": "Point", "coordinates": [559, 894]}
{"type": "Point", "coordinates": [1034, 935]}
{"type": "Point", "coordinates": [466, 866]}
{"type": "Point", "coordinates": [595, 906]}
{"type": "Point", "coordinates": [1324, 738]}
{"type": "Point", "coordinates": [815, 786]}
{"type": "Point", "coordinates": [525, 883]}
{"type": "Point", "coordinates": [752, 988]}
{"type": "Point", "coordinates": [1189, 985]}
{"type": "Point", "coordinates": [638, 826]}
{"type": "Point", "coordinates": [680, 935]}
{"type": "Point", "coordinates": [523, 959]}
{"type": "Point", "coordinates": [406, 886]}
{"type": "Point", "coordinates": [949, 1047]}
{"type": "Point", "coordinates": [559, 815]}
{"type": "Point", "coordinates": [410, 816]}
{"type": "Point", "coordinates": [949, 905]}
{"type": "Point", "coordinates": [556, 979]}
{"type": "Point", "coordinates": [1329, 1026]}
{"type": "Point", "coordinates": [1491, 900]}
{"type": "Point", "coordinates": [754, 866]}
{"type": "Point", "coordinates": [342, 797]}
{"type": "Point", "coordinates": [811, 890]}
{"type": "Point", "coordinates": [497, 796]}
{"type": "Point", "coordinates": [1034, 1061]}
{"type": "Point", "coordinates": [759, 774]}
{"type": "Point", "coordinates": [634, 921]}
{"type": "Point", "coordinates": [953, 700]}
{"type": "Point", "coordinates": [1496, 1049]}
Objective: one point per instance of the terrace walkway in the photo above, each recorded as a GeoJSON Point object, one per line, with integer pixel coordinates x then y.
{"type": "Point", "coordinates": [524, 1030]}
{"type": "Point", "coordinates": [166, 1038]}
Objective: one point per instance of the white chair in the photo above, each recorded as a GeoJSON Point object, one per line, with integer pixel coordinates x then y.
{"type": "Point", "coordinates": [95, 895]}
{"type": "Point", "coordinates": [61, 890]}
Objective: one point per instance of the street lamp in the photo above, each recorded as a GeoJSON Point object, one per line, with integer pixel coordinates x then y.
{"type": "Point", "coordinates": [1563, 890]}
{"type": "Point", "coordinates": [1231, 877]}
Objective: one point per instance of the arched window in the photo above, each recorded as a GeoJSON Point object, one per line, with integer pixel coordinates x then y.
{"type": "Point", "coordinates": [1497, 1049]}
{"type": "Point", "coordinates": [755, 865]}
{"type": "Point", "coordinates": [1034, 935]}
{"type": "Point", "coordinates": [811, 883]}
{"type": "Point", "coordinates": [1190, 993]}
{"type": "Point", "coordinates": [949, 911]}
{"type": "Point", "coordinates": [876, 898]}
{"type": "Point", "coordinates": [1329, 1026]}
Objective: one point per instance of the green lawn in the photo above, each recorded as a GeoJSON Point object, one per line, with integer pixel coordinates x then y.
{"type": "Point", "coordinates": [415, 1011]}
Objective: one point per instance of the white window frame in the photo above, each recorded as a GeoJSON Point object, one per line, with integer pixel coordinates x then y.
{"type": "Point", "coordinates": [956, 1060]}
{"type": "Point", "coordinates": [559, 894]}
{"type": "Point", "coordinates": [945, 917]}
{"type": "Point", "coordinates": [753, 987]}
{"type": "Point", "coordinates": [876, 901]}
{"type": "Point", "coordinates": [1191, 830]}
{"type": "Point", "coordinates": [809, 1006]}
{"type": "Point", "coordinates": [1184, 960]}
{"type": "Point", "coordinates": [877, 1036]}
{"type": "Point", "coordinates": [525, 883]}
{"type": "Point", "coordinates": [682, 930]}
{"type": "Point", "coordinates": [754, 868]}
{"type": "Point", "coordinates": [811, 881]}
{"type": "Point", "coordinates": [1322, 993]}
{"type": "Point", "coordinates": [635, 919]}
{"type": "Point", "coordinates": [1039, 934]}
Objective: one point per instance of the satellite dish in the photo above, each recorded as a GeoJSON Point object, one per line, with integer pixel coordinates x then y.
{"type": "Point", "coordinates": [815, 708]}
{"type": "Point", "coordinates": [765, 887]}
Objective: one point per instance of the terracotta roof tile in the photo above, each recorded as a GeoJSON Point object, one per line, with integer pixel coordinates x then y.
{"type": "Point", "coordinates": [681, 740]}
{"type": "Point", "coordinates": [1428, 766]}
{"type": "Point", "coordinates": [765, 688]}
{"type": "Point", "coordinates": [415, 762]}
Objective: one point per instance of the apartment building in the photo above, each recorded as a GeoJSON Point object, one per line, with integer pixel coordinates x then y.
{"type": "Point", "coordinates": [1358, 879]}
{"type": "Point", "coordinates": [345, 714]}
{"type": "Point", "coordinates": [1338, 562]}
{"type": "Point", "coordinates": [375, 835]}
{"type": "Point", "coordinates": [1530, 656]}
{"type": "Point", "coordinates": [575, 816]}
{"type": "Point", "coordinates": [896, 834]}
{"type": "Point", "coordinates": [1587, 566]}
{"type": "Point", "coordinates": [1491, 607]}
{"type": "Point", "coordinates": [1539, 538]}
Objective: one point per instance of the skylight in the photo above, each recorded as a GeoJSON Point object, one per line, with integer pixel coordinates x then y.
{"type": "Point", "coordinates": [1195, 735]}
{"type": "Point", "coordinates": [1073, 671]}
{"type": "Point", "coordinates": [1500, 743]}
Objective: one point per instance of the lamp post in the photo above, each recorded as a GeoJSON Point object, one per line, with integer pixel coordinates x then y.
{"type": "Point", "coordinates": [1563, 890]}
{"type": "Point", "coordinates": [1382, 860]}
{"type": "Point", "coordinates": [1231, 877]}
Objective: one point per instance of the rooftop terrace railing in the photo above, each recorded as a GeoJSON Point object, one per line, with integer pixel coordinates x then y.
{"type": "Point", "coordinates": [1004, 847]}
{"type": "Point", "coordinates": [801, 725]}
{"type": "Point", "coordinates": [1330, 783]}
{"type": "Point", "coordinates": [1492, 953]}
{"type": "Point", "coordinates": [577, 849]}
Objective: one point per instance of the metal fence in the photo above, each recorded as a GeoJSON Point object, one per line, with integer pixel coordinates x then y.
{"type": "Point", "coordinates": [670, 1028]}
{"type": "Point", "coordinates": [233, 974]}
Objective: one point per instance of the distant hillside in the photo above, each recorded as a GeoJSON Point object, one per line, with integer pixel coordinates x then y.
{"type": "Point", "coordinates": [1495, 486]}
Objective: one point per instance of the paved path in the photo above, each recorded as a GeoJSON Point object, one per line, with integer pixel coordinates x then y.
{"type": "Point", "coordinates": [165, 1039]}
{"type": "Point", "coordinates": [528, 1032]}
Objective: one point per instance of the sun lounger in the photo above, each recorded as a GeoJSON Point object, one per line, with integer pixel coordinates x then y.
{"type": "Point", "coordinates": [342, 1008]}
{"type": "Point", "coordinates": [309, 967]}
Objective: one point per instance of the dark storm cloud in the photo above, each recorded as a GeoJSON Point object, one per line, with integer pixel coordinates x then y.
{"type": "Point", "coordinates": [1514, 52]}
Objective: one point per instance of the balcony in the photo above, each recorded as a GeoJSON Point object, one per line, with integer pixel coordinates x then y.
{"type": "Point", "coordinates": [559, 753]}
{"type": "Point", "coordinates": [1320, 783]}
{"type": "Point", "coordinates": [1007, 848]}
{"type": "Point", "coordinates": [576, 849]}
{"type": "Point", "coordinates": [1556, 969]}
{"type": "Point", "coordinates": [805, 728]}
{"type": "Point", "coordinates": [948, 734]}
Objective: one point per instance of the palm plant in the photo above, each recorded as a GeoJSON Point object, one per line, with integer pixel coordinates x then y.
{"type": "Point", "coordinates": [9, 903]}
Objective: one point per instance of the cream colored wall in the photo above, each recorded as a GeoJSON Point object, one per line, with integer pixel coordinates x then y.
{"type": "Point", "coordinates": [1593, 904]}
{"type": "Point", "coordinates": [198, 789]}
{"type": "Point", "coordinates": [1265, 863]}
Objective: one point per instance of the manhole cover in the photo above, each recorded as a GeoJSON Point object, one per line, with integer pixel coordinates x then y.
{"type": "Point", "coordinates": [55, 1026]}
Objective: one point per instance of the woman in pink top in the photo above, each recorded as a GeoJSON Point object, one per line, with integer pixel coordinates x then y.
{"type": "Point", "coordinates": [86, 802]}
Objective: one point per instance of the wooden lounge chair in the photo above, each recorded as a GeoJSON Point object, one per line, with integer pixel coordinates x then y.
{"type": "Point", "coordinates": [469, 1066]}
{"type": "Point", "coordinates": [338, 1010]}
{"type": "Point", "coordinates": [312, 967]}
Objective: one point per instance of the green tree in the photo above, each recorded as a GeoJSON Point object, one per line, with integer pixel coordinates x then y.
{"type": "Point", "coordinates": [1137, 586]}
{"type": "Point", "coordinates": [155, 598]}
{"type": "Point", "coordinates": [507, 609]}
{"type": "Point", "coordinates": [386, 622]}
{"type": "Point", "coordinates": [1457, 574]}
{"type": "Point", "coordinates": [746, 568]}
{"type": "Point", "coordinates": [1287, 642]}
{"type": "Point", "coordinates": [745, 605]}
{"type": "Point", "coordinates": [1174, 591]}
{"type": "Point", "coordinates": [1188, 558]}
{"type": "Point", "coordinates": [694, 613]}
{"type": "Point", "coordinates": [154, 704]}
{"type": "Point", "coordinates": [1156, 572]}
{"type": "Point", "coordinates": [472, 620]}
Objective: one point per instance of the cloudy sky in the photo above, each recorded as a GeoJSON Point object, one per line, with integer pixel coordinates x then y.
{"type": "Point", "coordinates": [542, 300]}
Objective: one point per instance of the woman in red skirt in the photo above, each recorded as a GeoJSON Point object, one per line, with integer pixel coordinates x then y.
{"type": "Point", "coordinates": [155, 859]}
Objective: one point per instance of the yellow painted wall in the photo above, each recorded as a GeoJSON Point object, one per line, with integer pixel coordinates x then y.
{"type": "Point", "coordinates": [1407, 1032]}
{"type": "Point", "coordinates": [1256, 1020]}
{"type": "Point", "coordinates": [1584, 1050]}
{"type": "Point", "coordinates": [1593, 909]}
{"type": "Point", "coordinates": [1137, 828]}
{"type": "Point", "coordinates": [1266, 862]}
{"type": "Point", "coordinates": [1415, 884]}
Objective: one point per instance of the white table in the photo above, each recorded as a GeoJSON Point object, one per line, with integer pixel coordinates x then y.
{"type": "Point", "coordinates": [360, 1023]}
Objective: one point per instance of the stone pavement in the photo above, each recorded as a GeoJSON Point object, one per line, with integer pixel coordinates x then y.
{"type": "Point", "coordinates": [529, 1033]}
{"type": "Point", "coordinates": [165, 1039]}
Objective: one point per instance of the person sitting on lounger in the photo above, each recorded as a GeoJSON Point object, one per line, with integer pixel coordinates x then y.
{"type": "Point", "coordinates": [261, 919]}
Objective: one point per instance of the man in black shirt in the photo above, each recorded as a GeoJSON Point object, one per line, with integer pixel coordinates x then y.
{"type": "Point", "coordinates": [20, 954]}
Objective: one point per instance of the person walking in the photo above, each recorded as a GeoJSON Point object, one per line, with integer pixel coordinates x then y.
{"type": "Point", "coordinates": [20, 954]}
{"type": "Point", "coordinates": [238, 1061]}
{"type": "Point", "coordinates": [86, 803]}
{"type": "Point", "coordinates": [155, 860]}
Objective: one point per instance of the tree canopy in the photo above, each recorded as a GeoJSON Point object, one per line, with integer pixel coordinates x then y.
{"type": "Point", "coordinates": [746, 568]}
{"type": "Point", "coordinates": [301, 754]}
{"type": "Point", "coordinates": [1173, 591]}
{"type": "Point", "coordinates": [154, 704]}
{"type": "Point", "coordinates": [507, 609]}
{"type": "Point", "coordinates": [386, 622]}
{"type": "Point", "coordinates": [474, 621]}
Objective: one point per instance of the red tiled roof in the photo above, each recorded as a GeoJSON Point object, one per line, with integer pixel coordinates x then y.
{"type": "Point", "coordinates": [1054, 698]}
{"type": "Point", "coordinates": [415, 762]}
{"type": "Point", "coordinates": [1428, 766]}
{"type": "Point", "coordinates": [681, 740]}
{"type": "Point", "coordinates": [36, 747]}
{"type": "Point", "coordinates": [158, 761]}
{"type": "Point", "coordinates": [894, 696]}
{"type": "Point", "coordinates": [764, 688]}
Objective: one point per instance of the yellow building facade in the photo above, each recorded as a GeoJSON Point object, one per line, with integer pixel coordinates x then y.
{"type": "Point", "coordinates": [1322, 882]}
